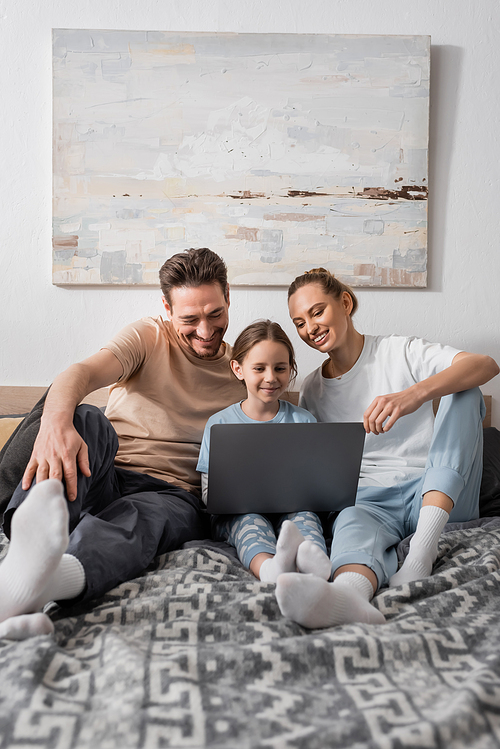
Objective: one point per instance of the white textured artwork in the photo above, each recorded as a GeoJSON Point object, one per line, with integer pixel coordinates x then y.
{"type": "Point", "coordinates": [281, 152]}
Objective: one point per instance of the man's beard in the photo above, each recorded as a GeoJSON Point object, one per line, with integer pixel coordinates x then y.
{"type": "Point", "coordinates": [206, 353]}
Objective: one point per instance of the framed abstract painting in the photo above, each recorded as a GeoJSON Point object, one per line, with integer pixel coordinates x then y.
{"type": "Point", "coordinates": [281, 152]}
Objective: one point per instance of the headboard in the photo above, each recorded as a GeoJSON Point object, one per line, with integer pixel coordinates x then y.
{"type": "Point", "coordinates": [20, 400]}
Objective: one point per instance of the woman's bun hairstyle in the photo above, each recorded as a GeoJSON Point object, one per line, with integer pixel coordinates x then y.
{"type": "Point", "coordinates": [319, 270]}
{"type": "Point", "coordinates": [327, 281]}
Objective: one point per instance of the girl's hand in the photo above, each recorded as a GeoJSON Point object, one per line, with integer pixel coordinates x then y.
{"type": "Point", "coordinates": [385, 410]}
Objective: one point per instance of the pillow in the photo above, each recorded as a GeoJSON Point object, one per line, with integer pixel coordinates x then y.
{"type": "Point", "coordinates": [7, 426]}
{"type": "Point", "coordinates": [16, 452]}
{"type": "Point", "coordinates": [489, 498]}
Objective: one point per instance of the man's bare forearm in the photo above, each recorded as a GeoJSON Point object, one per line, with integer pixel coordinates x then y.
{"type": "Point", "coordinates": [75, 383]}
{"type": "Point", "coordinates": [67, 391]}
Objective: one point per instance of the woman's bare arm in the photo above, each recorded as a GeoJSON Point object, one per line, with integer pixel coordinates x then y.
{"type": "Point", "coordinates": [465, 372]}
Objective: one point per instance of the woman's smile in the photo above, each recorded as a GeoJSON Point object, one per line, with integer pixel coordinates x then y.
{"type": "Point", "coordinates": [319, 339]}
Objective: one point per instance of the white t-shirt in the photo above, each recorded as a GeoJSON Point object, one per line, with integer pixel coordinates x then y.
{"type": "Point", "coordinates": [387, 364]}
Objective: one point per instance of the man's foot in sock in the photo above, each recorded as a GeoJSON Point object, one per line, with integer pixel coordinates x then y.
{"type": "Point", "coordinates": [26, 625]}
{"type": "Point", "coordinates": [313, 603]}
{"type": "Point", "coordinates": [312, 560]}
{"type": "Point", "coordinates": [287, 544]}
{"type": "Point", "coordinates": [39, 538]}
{"type": "Point", "coordinates": [67, 581]}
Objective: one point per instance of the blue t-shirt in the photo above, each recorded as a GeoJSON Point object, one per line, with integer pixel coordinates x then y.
{"type": "Point", "coordinates": [287, 414]}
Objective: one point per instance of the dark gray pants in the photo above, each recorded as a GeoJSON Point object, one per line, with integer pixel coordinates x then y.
{"type": "Point", "coordinates": [120, 519]}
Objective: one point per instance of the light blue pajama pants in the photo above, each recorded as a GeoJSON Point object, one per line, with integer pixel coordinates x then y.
{"type": "Point", "coordinates": [369, 532]}
{"type": "Point", "coordinates": [253, 534]}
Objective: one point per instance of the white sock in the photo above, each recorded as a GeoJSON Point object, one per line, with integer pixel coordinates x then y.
{"type": "Point", "coordinates": [67, 581]}
{"type": "Point", "coordinates": [39, 539]}
{"type": "Point", "coordinates": [423, 546]}
{"type": "Point", "coordinates": [312, 560]}
{"type": "Point", "coordinates": [26, 625]}
{"type": "Point", "coordinates": [358, 581]}
{"type": "Point", "coordinates": [314, 603]}
{"type": "Point", "coordinates": [287, 544]}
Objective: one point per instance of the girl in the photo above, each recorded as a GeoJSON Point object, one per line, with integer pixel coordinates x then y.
{"type": "Point", "coordinates": [263, 359]}
{"type": "Point", "coordinates": [415, 474]}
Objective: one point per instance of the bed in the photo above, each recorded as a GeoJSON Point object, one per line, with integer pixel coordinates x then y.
{"type": "Point", "coordinates": [194, 653]}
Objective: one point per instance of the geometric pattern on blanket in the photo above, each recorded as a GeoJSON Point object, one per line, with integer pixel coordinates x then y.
{"type": "Point", "coordinates": [195, 654]}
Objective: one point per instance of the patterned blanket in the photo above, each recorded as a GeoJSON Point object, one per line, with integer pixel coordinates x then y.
{"type": "Point", "coordinates": [196, 654]}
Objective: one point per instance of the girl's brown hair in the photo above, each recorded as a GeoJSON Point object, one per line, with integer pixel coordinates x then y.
{"type": "Point", "coordinates": [263, 330]}
{"type": "Point", "coordinates": [328, 283]}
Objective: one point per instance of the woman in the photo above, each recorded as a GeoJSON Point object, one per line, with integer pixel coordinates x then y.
{"type": "Point", "coordinates": [415, 474]}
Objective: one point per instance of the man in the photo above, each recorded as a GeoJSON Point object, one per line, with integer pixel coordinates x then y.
{"type": "Point", "coordinates": [130, 478]}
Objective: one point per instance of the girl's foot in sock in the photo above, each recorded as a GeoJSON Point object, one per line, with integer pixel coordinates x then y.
{"type": "Point", "coordinates": [26, 625]}
{"type": "Point", "coordinates": [287, 545]}
{"type": "Point", "coordinates": [312, 560]}
{"type": "Point", "coordinates": [314, 603]}
{"type": "Point", "coordinates": [39, 539]}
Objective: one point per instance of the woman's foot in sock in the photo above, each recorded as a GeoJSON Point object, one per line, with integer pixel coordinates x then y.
{"type": "Point", "coordinates": [415, 567]}
{"type": "Point", "coordinates": [313, 603]}
{"type": "Point", "coordinates": [26, 625]}
{"type": "Point", "coordinates": [284, 560]}
{"type": "Point", "coordinates": [312, 560]}
{"type": "Point", "coordinates": [39, 538]}
{"type": "Point", "coordinates": [423, 546]}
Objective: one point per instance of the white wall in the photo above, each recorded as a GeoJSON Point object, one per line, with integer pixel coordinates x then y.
{"type": "Point", "coordinates": [44, 328]}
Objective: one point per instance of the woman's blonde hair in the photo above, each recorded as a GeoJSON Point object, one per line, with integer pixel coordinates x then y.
{"type": "Point", "coordinates": [263, 330]}
{"type": "Point", "coordinates": [328, 282]}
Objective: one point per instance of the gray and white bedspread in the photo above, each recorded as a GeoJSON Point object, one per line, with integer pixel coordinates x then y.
{"type": "Point", "coordinates": [196, 654]}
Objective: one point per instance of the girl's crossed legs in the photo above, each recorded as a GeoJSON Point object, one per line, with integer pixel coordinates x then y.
{"type": "Point", "coordinates": [271, 545]}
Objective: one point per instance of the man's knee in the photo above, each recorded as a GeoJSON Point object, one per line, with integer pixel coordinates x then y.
{"type": "Point", "coordinates": [87, 416]}
{"type": "Point", "coordinates": [92, 425]}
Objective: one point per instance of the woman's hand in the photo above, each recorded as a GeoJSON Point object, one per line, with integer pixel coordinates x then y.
{"type": "Point", "coordinates": [466, 371]}
{"type": "Point", "coordinates": [385, 410]}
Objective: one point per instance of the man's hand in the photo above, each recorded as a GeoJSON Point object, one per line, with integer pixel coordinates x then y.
{"type": "Point", "coordinates": [57, 453]}
{"type": "Point", "coordinates": [59, 450]}
{"type": "Point", "coordinates": [385, 410]}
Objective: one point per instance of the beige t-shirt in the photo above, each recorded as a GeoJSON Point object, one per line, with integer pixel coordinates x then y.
{"type": "Point", "coordinates": [161, 403]}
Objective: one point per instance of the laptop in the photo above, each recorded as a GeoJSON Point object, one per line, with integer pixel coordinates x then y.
{"type": "Point", "coordinates": [269, 468]}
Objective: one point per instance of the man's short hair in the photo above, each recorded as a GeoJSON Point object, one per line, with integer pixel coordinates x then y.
{"type": "Point", "coordinates": [192, 268]}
